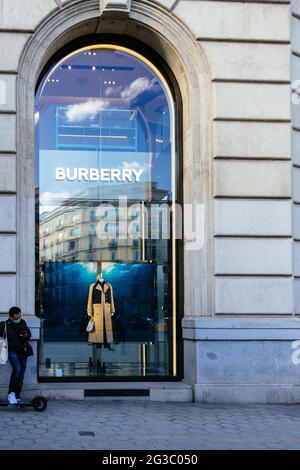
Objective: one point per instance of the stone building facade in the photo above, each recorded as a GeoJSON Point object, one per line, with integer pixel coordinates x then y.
{"type": "Point", "coordinates": [234, 63]}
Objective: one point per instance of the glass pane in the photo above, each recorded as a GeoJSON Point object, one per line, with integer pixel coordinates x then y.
{"type": "Point", "coordinates": [104, 169]}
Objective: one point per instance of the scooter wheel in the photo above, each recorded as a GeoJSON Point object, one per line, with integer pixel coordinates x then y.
{"type": "Point", "coordinates": [39, 403]}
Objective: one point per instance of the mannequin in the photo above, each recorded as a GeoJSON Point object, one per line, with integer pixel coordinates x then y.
{"type": "Point", "coordinates": [101, 308]}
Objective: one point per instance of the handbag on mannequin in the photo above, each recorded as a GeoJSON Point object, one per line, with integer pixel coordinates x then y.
{"type": "Point", "coordinates": [90, 326]}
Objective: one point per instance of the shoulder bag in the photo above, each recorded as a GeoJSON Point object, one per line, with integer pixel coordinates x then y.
{"type": "Point", "coordinates": [4, 347]}
{"type": "Point", "coordinates": [28, 351]}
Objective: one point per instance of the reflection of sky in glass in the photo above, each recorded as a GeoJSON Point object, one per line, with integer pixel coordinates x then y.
{"type": "Point", "coordinates": [102, 109]}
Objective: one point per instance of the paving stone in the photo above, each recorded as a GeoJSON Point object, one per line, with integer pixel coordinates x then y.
{"type": "Point", "coordinates": [136, 425]}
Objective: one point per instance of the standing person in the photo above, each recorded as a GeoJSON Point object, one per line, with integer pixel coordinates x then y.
{"type": "Point", "coordinates": [17, 335]}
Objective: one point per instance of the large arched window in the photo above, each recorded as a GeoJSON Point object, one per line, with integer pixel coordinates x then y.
{"type": "Point", "coordinates": [106, 183]}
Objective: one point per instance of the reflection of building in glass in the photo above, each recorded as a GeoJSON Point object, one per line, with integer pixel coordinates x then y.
{"type": "Point", "coordinates": [68, 229]}
{"type": "Point", "coordinates": [118, 129]}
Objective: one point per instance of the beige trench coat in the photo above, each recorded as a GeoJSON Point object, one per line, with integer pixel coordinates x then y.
{"type": "Point", "coordinates": [101, 314]}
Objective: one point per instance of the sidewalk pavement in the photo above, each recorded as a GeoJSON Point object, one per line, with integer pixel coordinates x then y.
{"type": "Point", "coordinates": [146, 425]}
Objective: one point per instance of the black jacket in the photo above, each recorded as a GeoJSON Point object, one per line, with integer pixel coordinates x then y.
{"type": "Point", "coordinates": [15, 341]}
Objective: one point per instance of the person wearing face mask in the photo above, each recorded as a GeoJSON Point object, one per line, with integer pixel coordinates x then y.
{"type": "Point", "coordinates": [17, 335]}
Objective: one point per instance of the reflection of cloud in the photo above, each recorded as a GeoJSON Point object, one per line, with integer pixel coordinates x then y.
{"type": "Point", "coordinates": [136, 166]}
{"type": "Point", "coordinates": [136, 87]}
{"type": "Point", "coordinates": [86, 110]}
{"type": "Point", "coordinates": [113, 91]}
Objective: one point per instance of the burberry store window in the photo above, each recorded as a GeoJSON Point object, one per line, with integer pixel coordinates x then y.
{"type": "Point", "coordinates": [105, 174]}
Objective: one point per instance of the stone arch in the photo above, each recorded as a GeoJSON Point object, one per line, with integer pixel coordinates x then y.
{"type": "Point", "coordinates": [171, 39]}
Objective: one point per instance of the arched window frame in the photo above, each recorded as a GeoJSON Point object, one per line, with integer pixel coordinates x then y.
{"type": "Point", "coordinates": [172, 90]}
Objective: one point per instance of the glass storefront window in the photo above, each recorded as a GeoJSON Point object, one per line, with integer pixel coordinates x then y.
{"type": "Point", "coordinates": [105, 188]}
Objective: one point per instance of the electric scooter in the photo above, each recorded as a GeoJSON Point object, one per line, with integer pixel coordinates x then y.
{"type": "Point", "coordinates": [37, 403]}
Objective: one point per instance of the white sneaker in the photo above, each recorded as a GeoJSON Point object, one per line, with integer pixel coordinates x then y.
{"type": "Point", "coordinates": [12, 399]}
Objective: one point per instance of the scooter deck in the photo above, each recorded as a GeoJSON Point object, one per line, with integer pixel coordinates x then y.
{"type": "Point", "coordinates": [38, 403]}
{"type": "Point", "coordinates": [19, 405]}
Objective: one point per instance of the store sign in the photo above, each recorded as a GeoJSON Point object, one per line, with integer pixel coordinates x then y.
{"type": "Point", "coordinates": [98, 174]}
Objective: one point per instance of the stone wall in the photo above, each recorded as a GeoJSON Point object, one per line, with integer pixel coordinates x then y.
{"type": "Point", "coordinates": [247, 45]}
{"type": "Point", "coordinates": [241, 167]}
{"type": "Point", "coordinates": [295, 75]}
